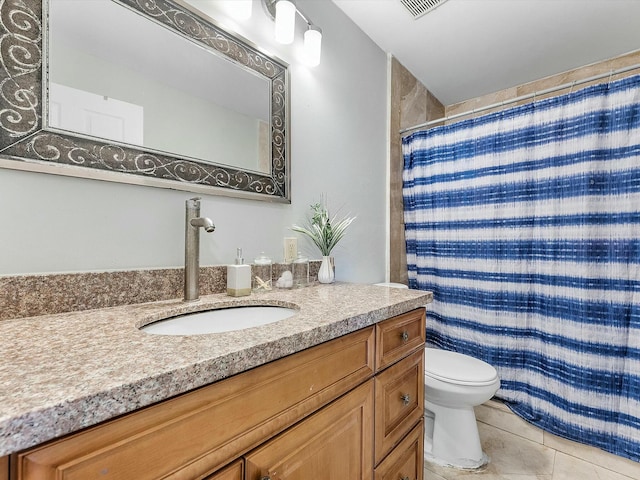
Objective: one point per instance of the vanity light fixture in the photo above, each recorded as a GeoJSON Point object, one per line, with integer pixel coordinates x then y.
{"type": "Point", "coordinates": [285, 21]}
{"type": "Point", "coordinates": [283, 12]}
{"type": "Point", "coordinates": [312, 45]}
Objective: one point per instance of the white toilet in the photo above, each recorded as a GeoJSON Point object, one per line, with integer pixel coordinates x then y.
{"type": "Point", "coordinates": [454, 384]}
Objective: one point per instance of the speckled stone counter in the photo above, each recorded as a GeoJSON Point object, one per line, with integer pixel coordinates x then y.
{"type": "Point", "coordinates": [60, 373]}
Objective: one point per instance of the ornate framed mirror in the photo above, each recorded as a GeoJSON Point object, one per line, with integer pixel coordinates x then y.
{"type": "Point", "coordinates": [52, 54]}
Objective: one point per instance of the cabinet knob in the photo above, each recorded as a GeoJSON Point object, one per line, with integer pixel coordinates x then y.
{"type": "Point", "coordinates": [405, 336]}
{"type": "Point", "coordinates": [406, 398]}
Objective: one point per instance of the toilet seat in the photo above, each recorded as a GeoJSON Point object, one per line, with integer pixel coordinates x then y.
{"type": "Point", "coordinates": [458, 369]}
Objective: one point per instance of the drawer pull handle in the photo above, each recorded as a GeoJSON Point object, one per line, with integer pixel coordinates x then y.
{"type": "Point", "coordinates": [405, 478]}
{"type": "Point", "coordinates": [406, 398]}
{"type": "Point", "coordinates": [405, 336]}
{"type": "Point", "coordinates": [267, 477]}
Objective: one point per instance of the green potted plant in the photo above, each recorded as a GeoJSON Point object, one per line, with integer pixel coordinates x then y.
{"type": "Point", "coordinates": [325, 232]}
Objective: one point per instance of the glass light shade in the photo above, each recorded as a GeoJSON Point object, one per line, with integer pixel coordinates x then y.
{"type": "Point", "coordinates": [285, 21]}
{"type": "Point", "coordinates": [240, 9]}
{"type": "Point", "coordinates": [312, 45]}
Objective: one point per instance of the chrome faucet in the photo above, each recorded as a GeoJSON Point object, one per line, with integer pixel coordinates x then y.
{"type": "Point", "coordinates": [193, 222]}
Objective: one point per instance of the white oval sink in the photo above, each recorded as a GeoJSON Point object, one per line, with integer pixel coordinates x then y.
{"type": "Point", "coordinates": [219, 320]}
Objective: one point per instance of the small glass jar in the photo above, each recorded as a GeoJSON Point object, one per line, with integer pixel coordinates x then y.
{"type": "Point", "coordinates": [261, 274]}
{"type": "Point", "coordinates": [285, 278]}
{"type": "Point", "coordinates": [300, 271]}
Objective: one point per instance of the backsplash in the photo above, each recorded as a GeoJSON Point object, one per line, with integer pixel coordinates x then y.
{"type": "Point", "coordinates": [33, 295]}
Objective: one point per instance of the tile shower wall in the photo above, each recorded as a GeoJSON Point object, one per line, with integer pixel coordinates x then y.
{"type": "Point", "coordinates": [411, 104]}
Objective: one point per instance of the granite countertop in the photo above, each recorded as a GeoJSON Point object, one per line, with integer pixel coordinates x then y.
{"type": "Point", "coordinates": [60, 373]}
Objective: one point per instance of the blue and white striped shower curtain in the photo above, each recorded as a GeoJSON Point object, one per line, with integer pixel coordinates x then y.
{"type": "Point", "coordinates": [526, 226]}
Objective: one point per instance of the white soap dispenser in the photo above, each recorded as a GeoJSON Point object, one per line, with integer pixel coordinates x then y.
{"type": "Point", "coordinates": [239, 277]}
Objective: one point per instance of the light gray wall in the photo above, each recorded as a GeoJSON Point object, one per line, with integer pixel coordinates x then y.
{"type": "Point", "coordinates": [52, 223]}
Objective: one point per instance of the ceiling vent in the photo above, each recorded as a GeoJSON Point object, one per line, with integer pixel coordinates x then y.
{"type": "Point", "coordinates": [418, 8]}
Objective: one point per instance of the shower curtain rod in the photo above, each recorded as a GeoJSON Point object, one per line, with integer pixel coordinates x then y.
{"type": "Point", "coordinates": [523, 97]}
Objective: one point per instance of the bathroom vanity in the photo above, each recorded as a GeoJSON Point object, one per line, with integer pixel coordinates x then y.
{"type": "Point", "coordinates": [335, 391]}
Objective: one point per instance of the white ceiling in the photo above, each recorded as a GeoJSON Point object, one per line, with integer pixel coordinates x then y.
{"type": "Point", "coordinates": [467, 48]}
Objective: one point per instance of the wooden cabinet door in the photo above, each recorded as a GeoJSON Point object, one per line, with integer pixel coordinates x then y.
{"type": "Point", "coordinates": [406, 461]}
{"type": "Point", "coordinates": [332, 444]}
{"type": "Point", "coordinates": [4, 468]}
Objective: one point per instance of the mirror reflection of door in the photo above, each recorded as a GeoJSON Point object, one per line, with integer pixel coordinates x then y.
{"type": "Point", "coordinates": [193, 103]}
{"type": "Point", "coordinates": [85, 112]}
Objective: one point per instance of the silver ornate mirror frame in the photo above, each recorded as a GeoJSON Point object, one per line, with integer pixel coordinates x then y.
{"type": "Point", "coordinates": [27, 144]}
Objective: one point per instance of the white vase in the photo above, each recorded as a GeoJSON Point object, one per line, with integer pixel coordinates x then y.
{"type": "Point", "coordinates": [326, 273]}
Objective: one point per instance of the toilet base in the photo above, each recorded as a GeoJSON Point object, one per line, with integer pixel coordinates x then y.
{"type": "Point", "coordinates": [452, 438]}
{"type": "Point", "coordinates": [443, 463]}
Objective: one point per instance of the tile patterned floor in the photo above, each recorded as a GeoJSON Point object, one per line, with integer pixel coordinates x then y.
{"type": "Point", "coordinates": [513, 457]}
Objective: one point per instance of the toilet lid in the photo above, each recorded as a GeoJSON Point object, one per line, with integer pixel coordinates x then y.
{"type": "Point", "coordinates": [456, 368]}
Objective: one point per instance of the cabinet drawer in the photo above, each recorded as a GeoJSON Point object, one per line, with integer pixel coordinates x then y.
{"type": "Point", "coordinates": [235, 471]}
{"type": "Point", "coordinates": [398, 336]}
{"type": "Point", "coordinates": [406, 461]}
{"type": "Point", "coordinates": [399, 402]}
{"type": "Point", "coordinates": [197, 433]}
